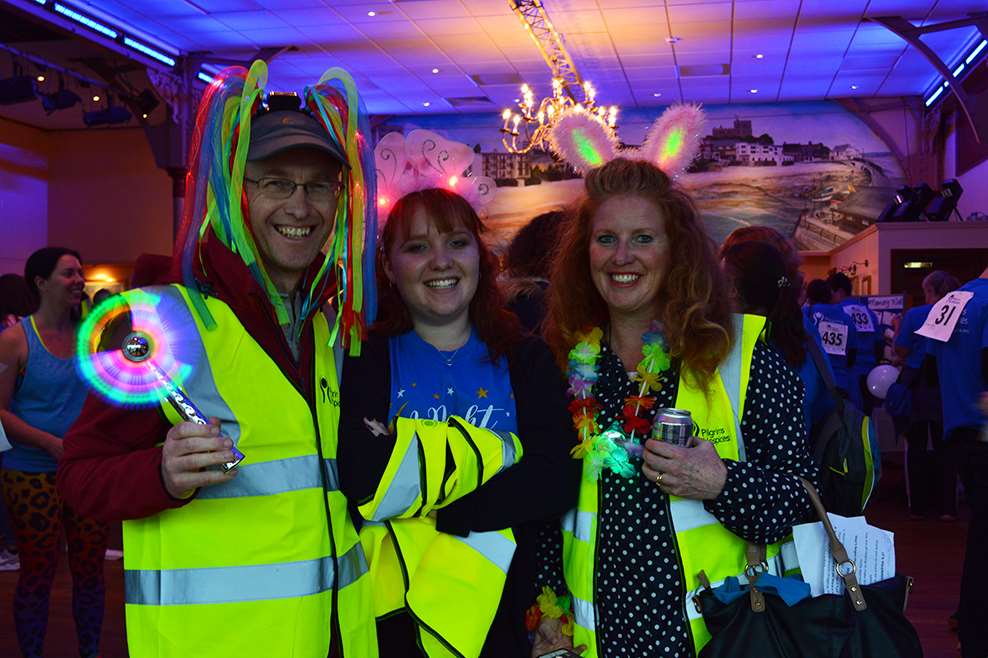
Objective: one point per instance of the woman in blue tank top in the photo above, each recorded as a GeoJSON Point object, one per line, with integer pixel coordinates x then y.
{"type": "Point", "coordinates": [41, 395]}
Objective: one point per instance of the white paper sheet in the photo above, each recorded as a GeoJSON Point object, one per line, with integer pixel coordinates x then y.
{"type": "Point", "coordinates": [872, 550]}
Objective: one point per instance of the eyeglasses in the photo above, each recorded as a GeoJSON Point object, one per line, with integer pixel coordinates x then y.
{"type": "Point", "coordinates": [280, 189]}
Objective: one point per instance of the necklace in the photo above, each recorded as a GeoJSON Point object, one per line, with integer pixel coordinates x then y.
{"type": "Point", "coordinates": [449, 359]}
{"type": "Point", "coordinates": [612, 447]}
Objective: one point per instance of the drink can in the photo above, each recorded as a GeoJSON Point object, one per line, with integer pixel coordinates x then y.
{"type": "Point", "coordinates": [673, 426]}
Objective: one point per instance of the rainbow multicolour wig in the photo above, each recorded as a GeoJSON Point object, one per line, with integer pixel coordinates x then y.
{"type": "Point", "coordinates": [215, 200]}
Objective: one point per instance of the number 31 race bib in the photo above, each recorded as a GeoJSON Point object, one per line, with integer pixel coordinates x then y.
{"type": "Point", "coordinates": [943, 317]}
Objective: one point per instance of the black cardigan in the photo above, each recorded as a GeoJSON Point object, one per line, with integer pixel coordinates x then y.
{"type": "Point", "coordinates": [536, 491]}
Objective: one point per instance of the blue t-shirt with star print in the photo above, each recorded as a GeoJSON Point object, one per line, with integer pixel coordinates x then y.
{"type": "Point", "coordinates": [428, 383]}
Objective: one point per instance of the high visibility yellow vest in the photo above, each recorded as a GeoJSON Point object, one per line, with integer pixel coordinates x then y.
{"type": "Point", "coordinates": [702, 543]}
{"type": "Point", "coordinates": [449, 585]}
{"type": "Point", "coordinates": [256, 566]}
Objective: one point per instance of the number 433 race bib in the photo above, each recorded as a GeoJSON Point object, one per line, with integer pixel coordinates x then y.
{"type": "Point", "coordinates": [942, 319]}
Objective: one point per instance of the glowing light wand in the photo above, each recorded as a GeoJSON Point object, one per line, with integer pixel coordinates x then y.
{"type": "Point", "coordinates": [137, 350]}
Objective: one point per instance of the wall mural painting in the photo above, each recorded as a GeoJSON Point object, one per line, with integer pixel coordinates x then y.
{"type": "Point", "coordinates": [812, 170]}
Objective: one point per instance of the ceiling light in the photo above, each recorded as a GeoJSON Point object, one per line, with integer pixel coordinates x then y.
{"type": "Point", "coordinates": [150, 52]}
{"type": "Point", "coordinates": [759, 56]}
{"type": "Point", "coordinates": [144, 116]}
{"type": "Point", "coordinates": [372, 14]}
{"type": "Point", "coordinates": [752, 91]}
{"type": "Point", "coordinates": [656, 94]}
{"type": "Point", "coordinates": [917, 265]}
{"type": "Point", "coordinates": [85, 20]}
{"type": "Point", "coordinates": [40, 78]}
{"type": "Point", "coordinates": [426, 104]}
{"type": "Point", "coordinates": [96, 99]}
{"type": "Point", "coordinates": [854, 86]}
{"type": "Point", "coordinates": [435, 70]}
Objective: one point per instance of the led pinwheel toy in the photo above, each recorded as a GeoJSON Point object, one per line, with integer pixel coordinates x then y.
{"type": "Point", "coordinates": [130, 353]}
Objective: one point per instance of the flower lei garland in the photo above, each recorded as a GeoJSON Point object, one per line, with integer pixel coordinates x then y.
{"type": "Point", "coordinates": [547, 604]}
{"type": "Point", "coordinates": [612, 447]}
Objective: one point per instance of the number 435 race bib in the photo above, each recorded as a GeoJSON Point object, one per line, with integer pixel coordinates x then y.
{"type": "Point", "coordinates": [833, 335]}
{"type": "Point", "coordinates": [943, 317]}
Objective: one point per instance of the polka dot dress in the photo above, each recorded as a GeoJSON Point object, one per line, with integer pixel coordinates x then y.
{"type": "Point", "coordinates": [639, 588]}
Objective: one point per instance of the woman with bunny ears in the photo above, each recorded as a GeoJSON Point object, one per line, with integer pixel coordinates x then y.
{"type": "Point", "coordinates": [448, 355]}
{"type": "Point", "coordinates": [644, 323]}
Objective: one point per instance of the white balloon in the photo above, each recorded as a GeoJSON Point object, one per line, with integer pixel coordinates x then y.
{"type": "Point", "coordinates": [881, 378]}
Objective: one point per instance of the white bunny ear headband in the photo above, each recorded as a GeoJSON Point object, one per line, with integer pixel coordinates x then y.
{"type": "Point", "coordinates": [423, 160]}
{"type": "Point", "coordinates": [671, 143]}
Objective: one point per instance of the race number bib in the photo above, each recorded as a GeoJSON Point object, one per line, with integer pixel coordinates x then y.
{"type": "Point", "coordinates": [860, 317]}
{"type": "Point", "coordinates": [942, 319]}
{"type": "Point", "coordinates": [833, 335]}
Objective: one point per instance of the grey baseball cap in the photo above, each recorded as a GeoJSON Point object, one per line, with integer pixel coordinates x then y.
{"type": "Point", "coordinates": [279, 129]}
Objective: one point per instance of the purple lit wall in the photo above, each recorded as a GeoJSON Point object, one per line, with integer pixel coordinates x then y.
{"type": "Point", "coordinates": [23, 194]}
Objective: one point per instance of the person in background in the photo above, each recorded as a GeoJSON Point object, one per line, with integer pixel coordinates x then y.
{"type": "Point", "coordinates": [931, 476]}
{"type": "Point", "coordinates": [445, 346]}
{"type": "Point", "coordinates": [101, 296]}
{"type": "Point", "coordinates": [15, 303]}
{"type": "Point", "coordinates": [527, 261]}
{"type": "Point", "coordinates": [817, 292]}
{"type": "Point", "coordinates": [962, 368]}
{"type": "Point", "coordinates": [638, 264]}
{"type": "Point", "coordinates": [839, 346]}
{"type": "Point", "coordinates": [763, 283]}
{"type": "Point", "coordinates": [868, 338]}
{"type": "Point", "coordinates": [41, 395]}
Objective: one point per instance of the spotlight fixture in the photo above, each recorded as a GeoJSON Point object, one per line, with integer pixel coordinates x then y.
{"type": "Point", "coordinates": [113, 114]}
{"type": "Point", "coordinates": [16, 89]}
{"type": "Point", "coordinates": [426, 104]}
{"type": "Point", "coordinates": [40, 78]}
{"type": "Point", "coordinates": [945, 203]}
{"type": "Point", "coordinates": [62, 99]}
{"type": "Point", "coordinates": [656, 94]}
{"type": "Point", "coordinates": [854, 86]}
{"type": "Point", "coordinates": [372, 13]}
{"type": "Point", "coordinates": [908, 204]}
{"type": "Point", "coordinates": [435, 70]}
{"type": "Point", "coordinates": [146, 102]}
{"type": "Point", "coordinates": [759, 56]}
{"type": "Point", "coordinates": [752, 91]}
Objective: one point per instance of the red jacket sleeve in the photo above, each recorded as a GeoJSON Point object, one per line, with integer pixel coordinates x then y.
{"type": "Point", "coordinates": [111, 469]}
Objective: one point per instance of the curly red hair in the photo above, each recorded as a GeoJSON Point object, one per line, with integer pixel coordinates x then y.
{"type": "Point", "coordinates": [696, 310]}
{"type": "Point", "coordinates": [495, 324]}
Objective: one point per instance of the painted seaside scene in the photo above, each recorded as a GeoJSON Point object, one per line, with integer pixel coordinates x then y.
{"type": "Point", "coordinates": [813, 171]}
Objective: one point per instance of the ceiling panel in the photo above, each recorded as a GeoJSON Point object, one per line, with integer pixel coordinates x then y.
{"type": "Point", "coordinates": [809, 48]}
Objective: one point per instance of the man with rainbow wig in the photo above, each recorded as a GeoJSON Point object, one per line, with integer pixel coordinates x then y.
{"type": "Point", "coordinates": [277, 240]}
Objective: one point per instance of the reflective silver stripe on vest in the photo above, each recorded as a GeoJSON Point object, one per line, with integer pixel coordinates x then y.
{"type": "Point", "coordinates": [583, 614]}
{"type": "Point", "coordinates": [788, 556]}
{"type": "Point", "coordinates": [276, 477]}
{"type": "Point", "coordinates": [730, 375]}
{"type": "Point", "coordinates": [690, 514]}
{"type": "Point", "coordinates": [494, 546]}
{"type": "Point", "coordinates": [579, 524]}
{"type": "Point", "coordinates": [212, 585]}
{"type": "Point", "coordinates": [507, 450]}
{"type": "Point", "coordinates": [405, 486]}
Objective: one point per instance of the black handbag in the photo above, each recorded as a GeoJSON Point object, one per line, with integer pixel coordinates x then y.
{"type": "Point", "coordinates": [865, 622]}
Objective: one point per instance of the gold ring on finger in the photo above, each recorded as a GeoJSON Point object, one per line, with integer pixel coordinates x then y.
{"type": "Point", "coordinates": [658, 479]}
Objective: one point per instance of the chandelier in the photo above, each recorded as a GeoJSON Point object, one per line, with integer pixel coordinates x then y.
{"type": "Point", "coordinates": [527, 127]}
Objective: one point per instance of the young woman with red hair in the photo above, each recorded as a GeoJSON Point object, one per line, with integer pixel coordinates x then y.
{"type": "Point", "coordinates": [445, 345]}
{"type": "Point", "coordinates": [638, 309]}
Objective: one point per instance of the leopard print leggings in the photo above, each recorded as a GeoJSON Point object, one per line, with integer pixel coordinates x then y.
{"type": "Point", "coordinates": [38, 516]}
